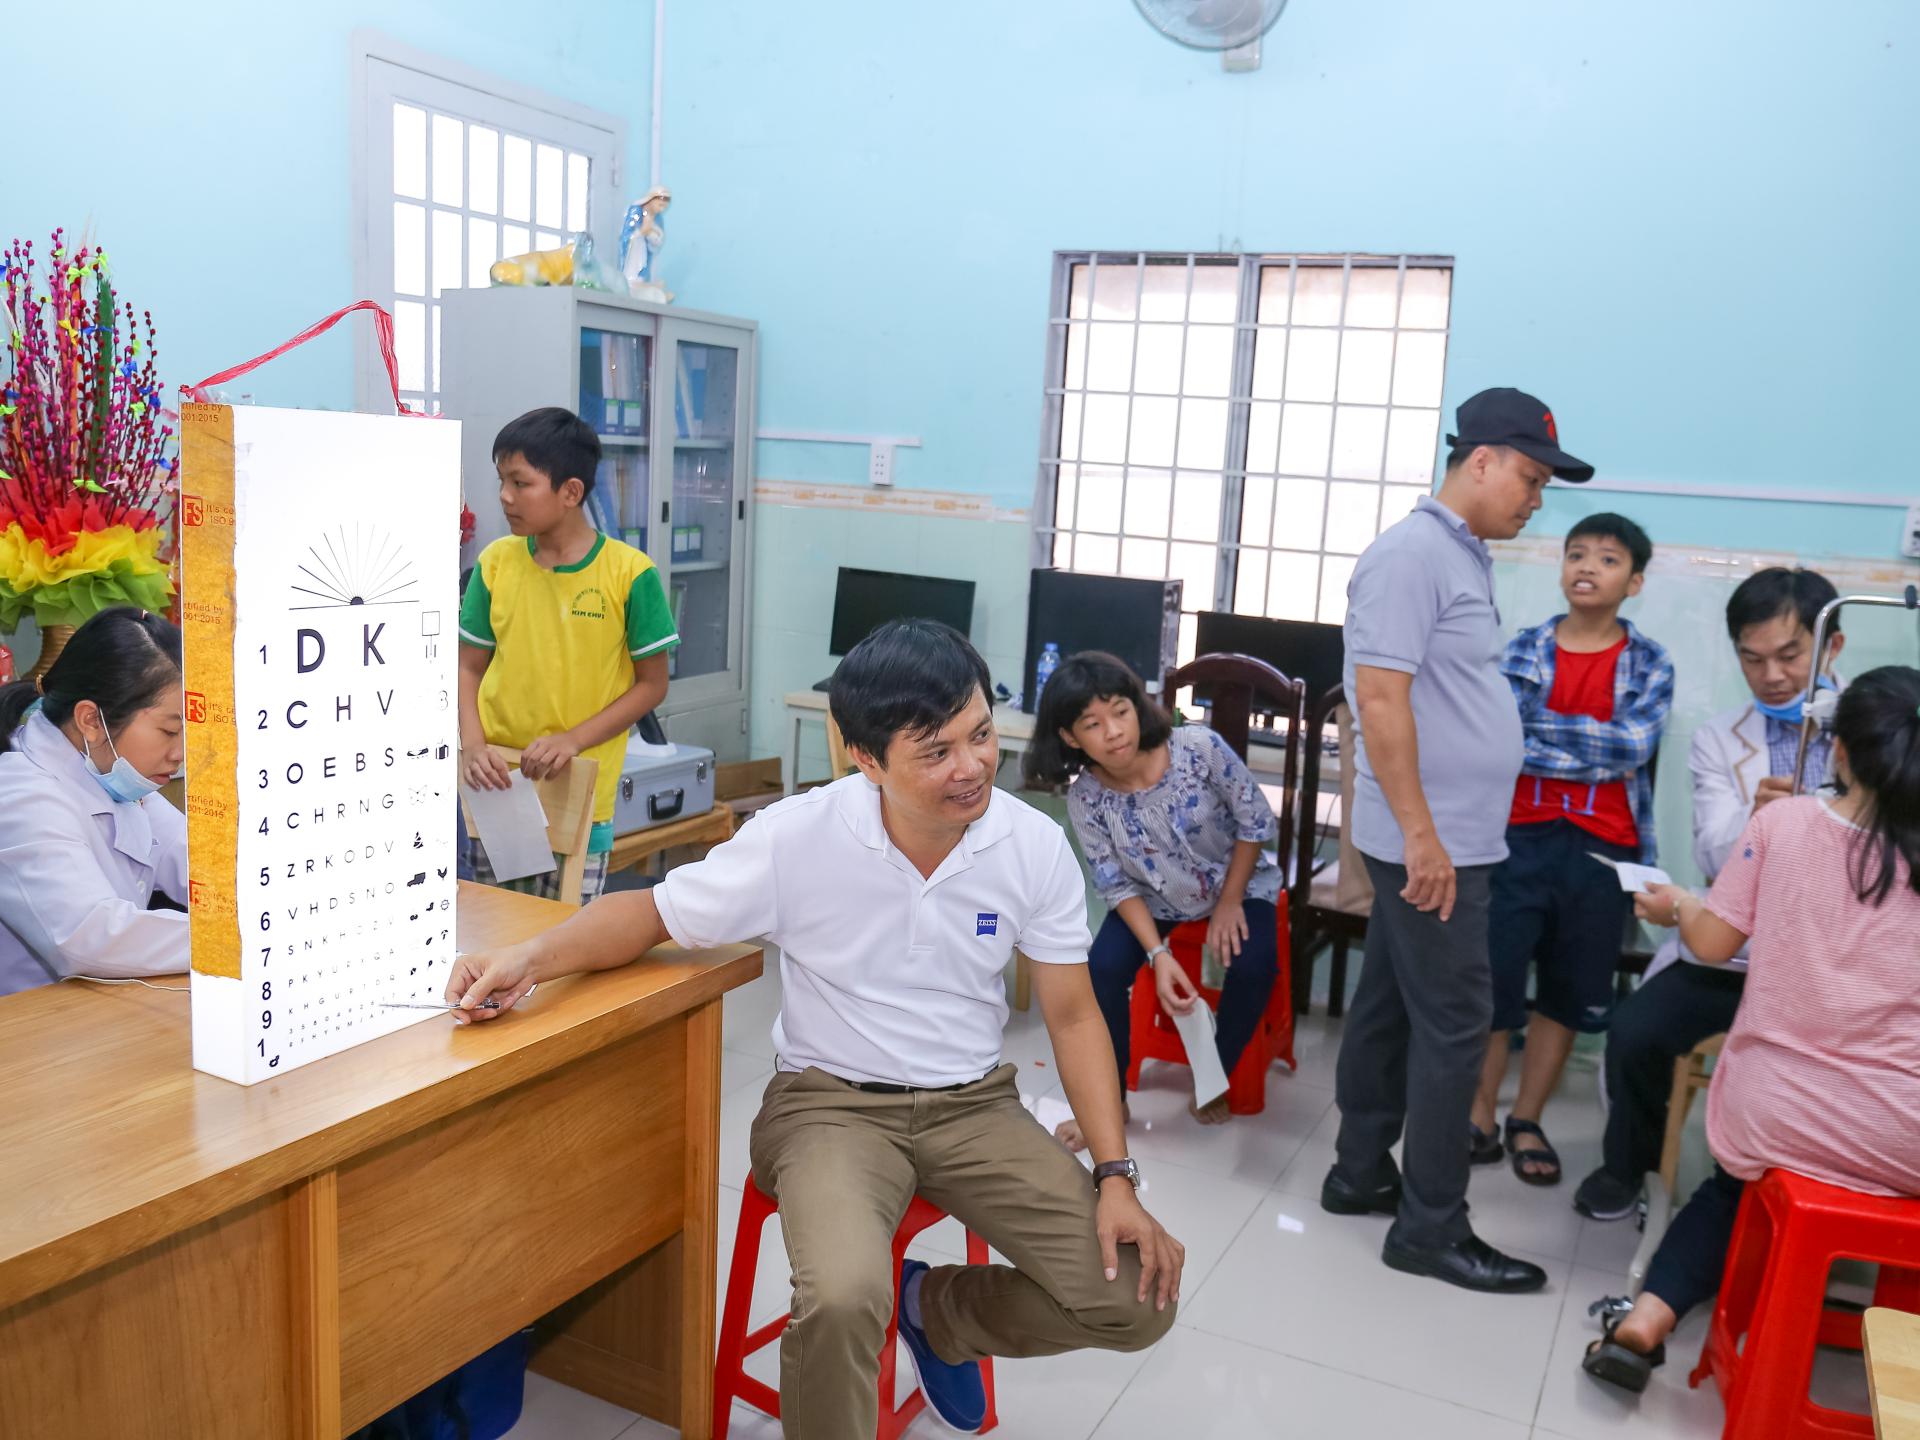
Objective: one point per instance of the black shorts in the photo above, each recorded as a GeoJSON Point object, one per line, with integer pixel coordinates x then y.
{"type": "Point", "coordinates": [1553, 904]}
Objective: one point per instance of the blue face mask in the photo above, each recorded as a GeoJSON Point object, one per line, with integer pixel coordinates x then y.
{"type": "Point", "coordinates": [1792, 714]}
{"type": "Point", "coordinates": [123, 784]}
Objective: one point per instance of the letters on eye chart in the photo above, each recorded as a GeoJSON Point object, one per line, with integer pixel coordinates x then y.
{"type": "Point", "coordinates": [320, 561]}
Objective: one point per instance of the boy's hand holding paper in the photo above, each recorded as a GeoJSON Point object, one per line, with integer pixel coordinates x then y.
{"type": "Point", "coordinates": [482, 769]}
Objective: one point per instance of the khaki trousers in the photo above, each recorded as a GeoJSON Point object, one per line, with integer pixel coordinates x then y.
{"type": "Point", "coordinates": [844, 1163]}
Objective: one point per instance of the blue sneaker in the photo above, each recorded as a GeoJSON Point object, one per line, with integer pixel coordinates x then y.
{"type": "Point", "coordinates": [954, 1392]}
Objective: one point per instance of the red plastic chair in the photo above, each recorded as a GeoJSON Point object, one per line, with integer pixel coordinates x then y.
{"type": "Point", "coordinates": [730, 1379]}
{"type": "Point", "coordinates": [1790, 1231]}
{"type": "Point", "coordinates": [1154, 1038]}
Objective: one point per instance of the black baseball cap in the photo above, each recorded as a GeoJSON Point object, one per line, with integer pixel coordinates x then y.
{"type": "Point", "coordinates": [1505, 416]}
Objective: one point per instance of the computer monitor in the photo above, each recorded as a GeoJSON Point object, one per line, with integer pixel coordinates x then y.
{"type": "Point", "coordinates": [1137, 620]}
{"type": "Point", "coordinates": [864, 600]}
{"type": "Point", "coordinates": [1298, 649]}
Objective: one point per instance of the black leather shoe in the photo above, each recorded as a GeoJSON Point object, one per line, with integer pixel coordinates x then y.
{"type": "Point", "coordinates": [1339, 1197]}
{"type": "Point", "coordinates": [1472, 1264]}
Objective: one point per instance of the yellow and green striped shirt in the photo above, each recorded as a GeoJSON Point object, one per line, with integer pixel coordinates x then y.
{"type": "Point", "coordinates": [564, 641]}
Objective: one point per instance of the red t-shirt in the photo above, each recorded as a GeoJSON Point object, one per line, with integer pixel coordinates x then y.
{"type": "Point", "coordinates": [1582, 685]}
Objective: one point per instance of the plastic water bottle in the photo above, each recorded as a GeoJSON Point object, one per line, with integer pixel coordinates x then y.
{"type": "Point", "coordinates": [1043, 669]}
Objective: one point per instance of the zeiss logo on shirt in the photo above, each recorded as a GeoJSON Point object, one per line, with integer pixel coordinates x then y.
{"type": "Point", "coordinates": [985, 923]}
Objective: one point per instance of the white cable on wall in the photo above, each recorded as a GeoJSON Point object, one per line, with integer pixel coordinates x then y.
{"type": "Point", "coordinates": [659, 87]}
{"type": "Point", "coordinates": [1757, 493]}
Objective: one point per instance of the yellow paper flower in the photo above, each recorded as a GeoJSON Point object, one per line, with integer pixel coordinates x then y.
{"type": "Point", "coordinates": [25, 564]}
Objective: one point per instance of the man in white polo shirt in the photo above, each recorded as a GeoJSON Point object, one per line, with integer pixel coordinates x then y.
{"type": "Point", "coordinates": [897, 897]}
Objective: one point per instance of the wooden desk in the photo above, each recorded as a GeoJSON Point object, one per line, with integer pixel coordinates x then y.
{"type": "Point", "coordinates": [1891, 1339]}
{"type": "Point", "coordinates": [183, 1256]}
{"type": "Point", "coordinates": [642, 845]}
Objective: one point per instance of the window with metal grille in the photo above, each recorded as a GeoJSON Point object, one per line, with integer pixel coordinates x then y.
{"type": "Point", "coordinates": [458, 170]}
{"type": "Point", "coordinates": [1247, 424]}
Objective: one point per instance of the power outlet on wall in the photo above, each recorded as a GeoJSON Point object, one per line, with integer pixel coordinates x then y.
{"type": "Point", "coordinates": [880, 462]}
{"type": "Point", "coordinates": [1910, 535]}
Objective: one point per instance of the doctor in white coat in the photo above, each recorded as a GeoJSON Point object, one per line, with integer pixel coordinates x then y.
{"type": "Point", "coordinates": [1741, 759]}
{"type": "Point", "coordinates": [85, 840]}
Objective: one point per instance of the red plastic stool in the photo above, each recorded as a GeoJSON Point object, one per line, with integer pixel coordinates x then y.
{"type": "Point", "coordinates": [730, 1379]}
{"type": "Point", "coordinates": [1154, 1038]}
{"type": "Point", "coordinates": [1790, 1231]}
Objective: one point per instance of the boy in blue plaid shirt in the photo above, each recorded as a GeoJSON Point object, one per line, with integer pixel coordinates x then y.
{"type": "Point", "coordinates": [1594, 695]}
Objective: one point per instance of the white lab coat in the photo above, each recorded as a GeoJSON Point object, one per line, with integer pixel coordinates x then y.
{"type": "Point", "coordinates": [77, 869]}
{"type": "Point", "coordinates": [1728, 761]}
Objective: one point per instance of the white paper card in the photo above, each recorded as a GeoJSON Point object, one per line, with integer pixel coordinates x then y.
{"type": "Point", "coordinates": [513, 828]}
{"type": "Point", "coordinates": [1634, 879]}
{"type": "Point", "coordinates": [1203, 1055]}
{"type": "Point", "coordinates": [1049, 1112]}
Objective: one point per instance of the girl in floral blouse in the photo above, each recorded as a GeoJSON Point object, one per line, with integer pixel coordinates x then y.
{"type": "Point", "coordinates": [1174, 829]}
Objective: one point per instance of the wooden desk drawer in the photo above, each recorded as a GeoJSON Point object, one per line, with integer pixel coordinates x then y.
{"type": "Point", "coordinates": [453, 1237]}
{"type": "Point", "coordinates": [188, 1337]}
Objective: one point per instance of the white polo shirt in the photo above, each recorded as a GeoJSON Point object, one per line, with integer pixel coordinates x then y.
{"type": "Point", "coordinates": [886, 976]}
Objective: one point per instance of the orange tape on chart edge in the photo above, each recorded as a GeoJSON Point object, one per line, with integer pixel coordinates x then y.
{"type": "Point", "coordinates": [207, 620]}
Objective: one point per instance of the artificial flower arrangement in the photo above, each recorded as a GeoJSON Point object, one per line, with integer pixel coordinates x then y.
{"type": "Point", "coordinates": [87, 486]}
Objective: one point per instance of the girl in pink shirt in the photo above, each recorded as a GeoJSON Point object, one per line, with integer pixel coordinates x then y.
{"type": "Point", "coordinates": [1826, 1046]}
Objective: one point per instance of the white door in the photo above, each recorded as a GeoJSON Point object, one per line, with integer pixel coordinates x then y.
{"type": "Point", "coordinates": [455, 170]}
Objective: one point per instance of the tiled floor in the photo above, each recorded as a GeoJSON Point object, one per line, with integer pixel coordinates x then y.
{"type": "Point", "coordinates": [1290, 1324]}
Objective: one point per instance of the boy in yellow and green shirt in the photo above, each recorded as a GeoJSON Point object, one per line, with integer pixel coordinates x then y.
{"type": "Point", "coordinates": [564, 634]}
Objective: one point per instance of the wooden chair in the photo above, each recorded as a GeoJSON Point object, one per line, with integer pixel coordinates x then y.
{"type": "Point", "coordinates": [567, 800]}
{"type": "Point", "coordinates": [1331, 898]}
{"type": "Point", "coordinates": [1691, 1074]}
{"type": "Point", "coordinates": [1235, 682]}
{"type": "Point", "coordinates": [839, 759]}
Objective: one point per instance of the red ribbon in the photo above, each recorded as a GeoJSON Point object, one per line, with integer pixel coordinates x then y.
{"type": "Point", "coordinates": [383, 332]}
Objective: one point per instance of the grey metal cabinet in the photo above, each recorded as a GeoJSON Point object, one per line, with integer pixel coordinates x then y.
{"type": "Point", "coordinates": [671, 394]}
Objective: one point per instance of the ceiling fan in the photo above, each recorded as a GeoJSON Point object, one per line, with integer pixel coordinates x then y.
{"type": "Point", "coordinates": [1231, 27]}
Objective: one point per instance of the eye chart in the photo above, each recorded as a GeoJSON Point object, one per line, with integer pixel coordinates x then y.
{"type": "Point", "coordinates": [320, 568]}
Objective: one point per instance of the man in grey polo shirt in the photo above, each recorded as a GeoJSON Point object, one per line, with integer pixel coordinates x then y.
{"type": "Point", "coordinates": [1438, 745]}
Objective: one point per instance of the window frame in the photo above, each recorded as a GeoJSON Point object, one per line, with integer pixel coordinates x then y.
{"type": "Point", "coordinates": [1249, 268]}
{"type": "Point", "coordinates": [384, 70]}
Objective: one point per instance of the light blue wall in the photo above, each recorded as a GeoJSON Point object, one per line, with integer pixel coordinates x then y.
{"type": "Point", "coordinates": [798, 550]}
{"type": "Point", "coordinates": [207, 146]}
{"type": "Point", "coordinates": [1688, 226]}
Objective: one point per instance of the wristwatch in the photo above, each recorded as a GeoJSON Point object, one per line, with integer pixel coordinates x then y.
{"type": "Point", "coordinates": [1107, 1169]}
{"type": "Point", "coordinates": [1161, 949]}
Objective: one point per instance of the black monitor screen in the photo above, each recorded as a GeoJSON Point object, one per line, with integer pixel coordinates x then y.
{"type": "Point", "coordinates": [1137, 620]}
{"type": "Point", "coordinates": [1298, 649]}
{"type": "Point", "coordinates": [864, 600]}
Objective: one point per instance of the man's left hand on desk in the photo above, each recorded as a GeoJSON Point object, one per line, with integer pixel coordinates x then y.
{"type": "Point", "coordinates": [504, 975]}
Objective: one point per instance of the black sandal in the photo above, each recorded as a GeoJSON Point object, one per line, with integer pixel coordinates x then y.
{"type": "Point", "coordinates": [1609, 1360]}
{"type": "Point", "coordinates": [1545, 1155]}
{"type": "Point", "coordinates": [1484, 1147]}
